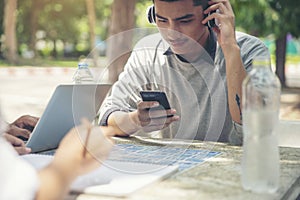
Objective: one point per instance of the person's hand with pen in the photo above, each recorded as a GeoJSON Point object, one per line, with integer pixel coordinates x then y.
{"type": "Point", "coordinates": [82, 150]}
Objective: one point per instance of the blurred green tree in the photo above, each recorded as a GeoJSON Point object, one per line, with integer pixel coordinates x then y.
{"type": "Point", "coordinates": [263, 18]}
{"type": "Point", "coordinates": [1, 27]}
{"type": "Point", "coordinates": [73, 23]}
{"type": "Point", "coordinates": [9, 24]}
{"type": "Point", "coordinates": [90, 7]}
{"type": "Point", "coordinates": [122, 20]}
{"type": "Point", "coordinates": [287, 22]}
{"type": "Point", "coordinates": [48, 20]}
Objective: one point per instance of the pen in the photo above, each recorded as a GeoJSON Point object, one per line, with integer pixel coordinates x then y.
{"type": "Point", "coordinates": [89, 128]}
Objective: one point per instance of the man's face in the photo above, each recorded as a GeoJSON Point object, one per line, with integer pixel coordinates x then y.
{"type": "Point", "coordinates": [180, 24]}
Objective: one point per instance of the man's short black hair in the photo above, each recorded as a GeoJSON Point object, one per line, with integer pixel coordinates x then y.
{"type": "Point", "coordinates": [202, 3]}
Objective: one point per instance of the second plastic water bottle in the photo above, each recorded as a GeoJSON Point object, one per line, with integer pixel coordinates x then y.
{"type": "Point", "coordinates": [261, 103]}
{"type": "Point", "coordinates": [83, 74]}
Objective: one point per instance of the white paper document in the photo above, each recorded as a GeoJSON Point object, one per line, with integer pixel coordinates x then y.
{"type": "Point", "coordinates": [113, 178]}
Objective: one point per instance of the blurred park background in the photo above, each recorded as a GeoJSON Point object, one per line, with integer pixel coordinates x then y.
{"type": "Point", "coordinates": [58, 32]}
{"type": "Point", "coordinates": [41, 42]}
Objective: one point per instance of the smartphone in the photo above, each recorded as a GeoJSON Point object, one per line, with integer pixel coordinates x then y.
{"type": "Point", "coordinates": [214, 22]}
{"type": "Point", "coordinates": [158, 96]}
{"type": "Point", "coordinates": [211, 23]}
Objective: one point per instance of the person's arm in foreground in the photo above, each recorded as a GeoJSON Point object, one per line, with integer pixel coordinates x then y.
{"type": "Point", "coordinates": [235, 70]}
{"type": "Point", "coordinates": [70, 161]}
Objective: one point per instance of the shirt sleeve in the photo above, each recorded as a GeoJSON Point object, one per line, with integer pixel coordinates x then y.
{"type": "Point", "coordinates": [236, 135]}
{"type": "Point", "coordinates": [251, 48]}
{"type": "Point", "coordinates": [125, 92]}
{"type": "Point", "coordinates": [19, 180]}
{"type": "Point", "coordinates": [136, 76]}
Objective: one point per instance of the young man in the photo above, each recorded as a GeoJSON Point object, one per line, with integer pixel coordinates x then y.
{"type": "Point", "coordinates": [200, 68]}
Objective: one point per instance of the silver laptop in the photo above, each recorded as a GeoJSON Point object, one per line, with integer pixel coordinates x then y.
{"type": "Point", "coordinates": [67, 106]}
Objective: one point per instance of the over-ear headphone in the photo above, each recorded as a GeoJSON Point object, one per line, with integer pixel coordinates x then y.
{"type": "Point", "coordinates": [151, 17]}
{"type": "Point", "coordinates": [151, 14]}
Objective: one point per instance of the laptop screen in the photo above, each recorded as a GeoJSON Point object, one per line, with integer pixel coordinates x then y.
{"type": "Point", "coordinates": [67, 106]}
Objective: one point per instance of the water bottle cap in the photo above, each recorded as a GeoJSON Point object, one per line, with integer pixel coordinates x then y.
{"type": "Point", "coordinates": [261, 62]}
{"type": "Point", "coordinates": [82, 65]}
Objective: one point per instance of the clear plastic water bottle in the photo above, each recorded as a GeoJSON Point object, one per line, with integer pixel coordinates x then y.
{"type": "Point", "coordinates": [261, 104]}
{"type": "Point", "coordinates": [83, 75]}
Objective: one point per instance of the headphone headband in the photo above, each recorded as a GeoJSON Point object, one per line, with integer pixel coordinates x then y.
{"type": "Point", "coordinates": [151, 17]}
{"type": "Point", "coordinates": [151, 14]}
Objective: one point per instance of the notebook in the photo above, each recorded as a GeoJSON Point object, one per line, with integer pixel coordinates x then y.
{"type": "Point", "coordinates": [113, 178]}
{"type": "Point", "coordinates": [67, 106]}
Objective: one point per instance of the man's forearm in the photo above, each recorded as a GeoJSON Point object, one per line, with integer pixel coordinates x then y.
{"type": "Point", "coordinates": [235, 73]}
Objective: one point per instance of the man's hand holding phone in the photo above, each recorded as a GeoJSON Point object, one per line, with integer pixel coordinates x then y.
{"type": "Point", "coordinates": [222, 13]}
{"type": "Point", "coordinates": [154, 112]}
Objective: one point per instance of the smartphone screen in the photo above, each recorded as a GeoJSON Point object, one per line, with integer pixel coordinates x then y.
{"type": "Point", "coordinates": [158, 96]}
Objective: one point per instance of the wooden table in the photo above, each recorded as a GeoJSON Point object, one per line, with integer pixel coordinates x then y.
{"type": "Point", "coordinates": [217, 178]}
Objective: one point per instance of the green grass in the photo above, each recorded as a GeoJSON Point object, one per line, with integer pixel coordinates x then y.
{"type": "Point", "coordinates": [41, 63]}
{"type": "Point", "coordinates": [293, 59]}
{"type": "Point", "coordinates": [3, 63]}
{"type": "Point", "coordinates": [290, 59]}
{"type": "Point", "coordinates": [48, 62]}
{"type": "Point", "coordinates": [60, 63]}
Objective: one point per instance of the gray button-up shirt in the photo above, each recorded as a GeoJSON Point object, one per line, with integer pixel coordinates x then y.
{"type": "Point", "coordinates": [197, 90]}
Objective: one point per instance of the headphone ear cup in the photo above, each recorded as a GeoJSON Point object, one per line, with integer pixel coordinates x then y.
{"type": "Point", "coordinates": [151, 14]}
